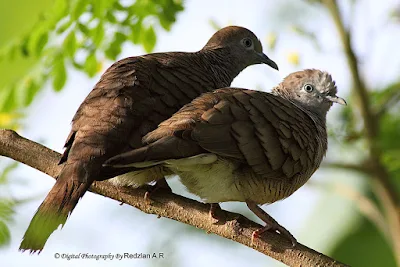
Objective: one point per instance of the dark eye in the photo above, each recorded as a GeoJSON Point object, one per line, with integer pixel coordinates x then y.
{"type": "Point", "coordinates": [247, 42]}
{"type": "Point", "coordinates": [308, 88]}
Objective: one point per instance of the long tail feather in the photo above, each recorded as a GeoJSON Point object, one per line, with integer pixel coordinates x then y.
{"type": "Point", "coordinates": [54, 210]}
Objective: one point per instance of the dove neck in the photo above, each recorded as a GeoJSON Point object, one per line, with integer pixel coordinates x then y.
{"type": "Point", "coordinates": [221, 64]}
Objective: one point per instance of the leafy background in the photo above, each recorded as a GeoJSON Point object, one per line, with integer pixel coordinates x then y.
{"type": "Point", "coordinates": [52, 53]}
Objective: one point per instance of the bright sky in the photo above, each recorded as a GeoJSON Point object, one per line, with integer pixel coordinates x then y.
{"type": "Point", "coordinates": [102, 226]}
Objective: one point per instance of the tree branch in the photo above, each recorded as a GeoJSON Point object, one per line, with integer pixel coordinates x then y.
{"type": "Point", "coordinates": [236, 227]}
{"type": "Point", "coordinates": [347, 166]}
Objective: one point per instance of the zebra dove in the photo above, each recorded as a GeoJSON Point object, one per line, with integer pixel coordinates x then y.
{"type": "Point", "coordinates": [132, 97]}
{"type": "Point", "coordinates": [242, 145]}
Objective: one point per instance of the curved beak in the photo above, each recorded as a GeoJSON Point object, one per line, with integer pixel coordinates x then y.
{"type": "Point", "coordinates": [336, 99]}
{"type": "Point", "coordinates": [266, 60]}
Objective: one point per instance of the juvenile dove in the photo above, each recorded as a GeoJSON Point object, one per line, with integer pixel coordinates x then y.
{"type": "Point", "coordinates": [132, 97]}
{"type": "Point", "coordinates": [242, 145]}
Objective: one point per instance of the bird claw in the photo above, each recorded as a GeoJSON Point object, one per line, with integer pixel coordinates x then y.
{"type": "Point", "coordinates": [214, 208]}
{"type": "Point", "coordinates": [277, 228]}
{"type": "Point", "coordinates": [160, 185]}
{"type": "Point", "coordinates": [271, 224]}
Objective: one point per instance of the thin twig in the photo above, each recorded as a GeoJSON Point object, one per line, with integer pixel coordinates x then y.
{"type": "Point", "coordinates": [236, 227]}
{"type": "Point", "coordinates": [361, 168]}
{"type": "Point", "coordinates": [365, 205]}
{"type": "Point", "coordinates": [383, 188]}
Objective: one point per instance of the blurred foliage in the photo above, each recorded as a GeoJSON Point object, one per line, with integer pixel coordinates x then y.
{"type": "Point", "coordinates": [40, 41]}
{"type": "Point", "coordinates": [7, 206]}
{"type": "Point", "coordinates": [293, 58]}
{"type": "Point", "coordinates": [364, 247]}
{"type": "Point", "coordinates": [78, 33]}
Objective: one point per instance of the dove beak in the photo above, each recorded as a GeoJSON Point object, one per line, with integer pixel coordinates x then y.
{"type": "Point", "coordinates": [336, 99]}
{"type": "Point", "coordinates": [266, 60]}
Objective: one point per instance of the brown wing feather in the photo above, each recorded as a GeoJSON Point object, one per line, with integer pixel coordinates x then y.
{"type": "Point", "coordinates": [259, 129]}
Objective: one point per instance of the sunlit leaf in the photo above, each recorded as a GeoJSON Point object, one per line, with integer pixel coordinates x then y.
{"type": "Point", "coordinates": [84, 29]}
{"type": "Point", "coordinates": [70, 44]}
{"type": "Point", "coordinates": [79, 6]}
{"type": "Point", "coordinates": [293, 58]}
{"type": "Point", "coordinates": [7, 99]}
{"type": "Point", "coordinates": [98, 34]}
{"type": "Point", "coordinates": [271, 40]}
{"type": "Point", "coordinates": [5, 171]}
{"type": "Point", "coordinates": [59, 73]}
{"type": "Point", "coordinates": [90, 65]}
{"type": "Point", "coordinates": [114, 48]}
{"type": "Point", "coordinates": [136, 31]}
{"type": "Point", "coordinates": [6, 118]}
{"type": "Point", "coordinates": [5, 235]}
{"type": "Point", "coordinates": [149, 39]}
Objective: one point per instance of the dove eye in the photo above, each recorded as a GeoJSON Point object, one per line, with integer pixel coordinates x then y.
{"type": "Point", "coordinates": [308, 88]}
{"type": "Point", "coordinates": [247, 42]}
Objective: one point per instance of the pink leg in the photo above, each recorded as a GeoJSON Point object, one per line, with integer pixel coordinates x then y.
{"type": "Point", "coordinates": [271, 224]}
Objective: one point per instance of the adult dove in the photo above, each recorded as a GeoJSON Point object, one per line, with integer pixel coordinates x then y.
{"type": "Point", "coordinates": [132, 97]}
{"type": "Point", "coordinates": [242, 145]}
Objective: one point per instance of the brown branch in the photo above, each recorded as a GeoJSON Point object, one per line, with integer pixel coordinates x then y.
{"type": "Point", "coordinates": [361, 168]}
{"type": "Point", "coordinates": [358, 84]}
{"type": "Point", "coordinates": [236, 227]}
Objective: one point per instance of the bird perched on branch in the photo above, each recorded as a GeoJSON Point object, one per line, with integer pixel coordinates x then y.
{"type": "Point", "coordinates": [132, 97]}
{"type": "Point", "coordinates": [242, 145]}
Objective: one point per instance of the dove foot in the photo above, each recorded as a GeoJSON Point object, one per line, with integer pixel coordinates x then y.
{"type": "Point", "coordinates": [271, 224]}
{"type": "Point", "coordinates": [159, 185]}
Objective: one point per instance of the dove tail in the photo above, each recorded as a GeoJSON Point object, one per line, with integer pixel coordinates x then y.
{"type": "Point", "coordinates": [55, 209]}
{"type": "Point", "coordinates": [170, 147]}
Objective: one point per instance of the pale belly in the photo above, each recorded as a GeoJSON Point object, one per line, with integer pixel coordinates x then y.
{"type": "Point", "coordinates": [214, 179]}
{"type": "Point", "coordinates": [218, 180]}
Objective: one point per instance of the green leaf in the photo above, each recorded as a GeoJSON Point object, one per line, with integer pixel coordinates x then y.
{"type": "Point", "coordinates": [90, 65]}
{"type": "Point", "coordinates": [41, 42]}
{"type": "Point", "coordinates": [5, 236]}
{"type": "Point", "coordinates": [59, 10]}
{"type": "Point", "coordinates": [6, 170]}
{"type": "Point", "coordinates": [114, 48]}
{"type": "Point", "coordinates": [37, 41]}
{"type": "Point", "coordinates": [98, 34]}
{"type": "Point", "coordinates": [59, 73]}
{"type": "Point", "coordinates": [110, 17]}
{"type": "Point", "coordinates": [78, 7]}
{"type": "Point", "coordinates": [100, 7]}
{"type": "Point", "coordinates": [7, 99]}
{"type": "Point", "coordinates": [70, 44]}
{"type": "Point", "coordinates": [6, 209]}
{"type": "Point", "coordinates": [136, 32]}
{"type": "Point", "coordinates": [84, 29]}
{"type": "Point", "coordinates": [24, 47]}
{"type": "Point", "coordinates": [149, 39]}
{"type": "Point", "coordinates": [30, 92]}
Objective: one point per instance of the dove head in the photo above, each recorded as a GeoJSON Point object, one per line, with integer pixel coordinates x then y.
{"type": "Point", "coordinates": [243, 46]}
{"type": "Point", "coordinates": [311, 89]}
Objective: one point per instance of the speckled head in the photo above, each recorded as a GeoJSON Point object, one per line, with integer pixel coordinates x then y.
{"type": "Point", "coordinates": [312, 89]}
